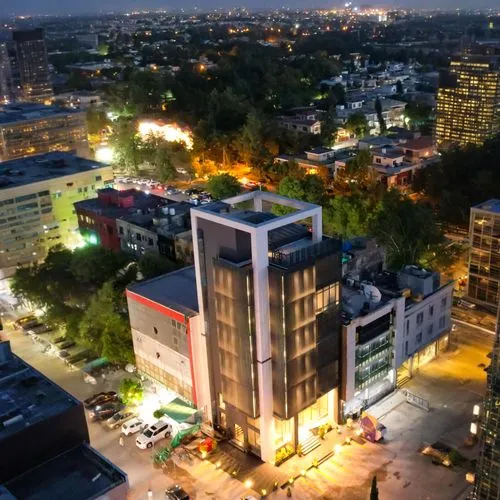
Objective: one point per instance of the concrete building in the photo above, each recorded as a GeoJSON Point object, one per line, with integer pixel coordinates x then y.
{"type": "Point", "coordinates": [269, 337]}
{"type": "Point", "coordinates": [28, 129]}
{"type": "Point", "coordinates": [164, 317]}
{"type": "Point", "coordinates": [36, 204]}
{"type": "Point", "coordinates": [44, 440]}
{"type": "Point", "coordinates": [393, 324]}
{"type": "Point", "coordinates": [6, 78]}
{"type": "Point", "coordinates": [487, 480]}
{"type": "Point", "coordinates": [483, 285]}
{"type": "Point", "coordinates": [468, 101]}
{"type": "Point", "coordinates": [33, 65]}
{"type": "Point", "coordinates": [157, 231]}
{"type": "Point", "coordinates": [318, 160]}
{"type": "Point", "coordinates": [97, 217]}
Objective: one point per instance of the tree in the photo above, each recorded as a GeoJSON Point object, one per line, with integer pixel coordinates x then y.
{"type": "Point", "coordinates": [131, 391]}
{"type": "Point", "coordinates": [357, 124]}
{"type": "Point", "coordinates": [308, 188]}
{"type": "Point", "coordinates": [380, 116]}
{"type": "Point", "coordinates": [223, 186]}
{"type": "Point", "coordinates": [348, 216]}
{"type": "Point", "coordinates": [104, 326]}
{"type": "Point", "coordinates": [164, 166]}
{"type": "Point", "coordinates": [374, 489]}
{"type": "Point", "coordinates": [94, 265]}
{"type": "Point", "coordinates": [96, 120]}
{"type": "Point", "coordinates": [151, 265]}
{"type": "Point", "coordinates": [329, 127]}
{"type": "Point", "coordinates": [126, 145]}
{"type": "Point", "coordinates": [357, 175]}
{"type": "Point", "coordinates": [405, 228]}
{"type": "Point", "coordinates": [399, 87]}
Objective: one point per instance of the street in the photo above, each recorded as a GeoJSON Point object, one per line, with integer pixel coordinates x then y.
{"type": "Point", "coordinates": [452, 384]}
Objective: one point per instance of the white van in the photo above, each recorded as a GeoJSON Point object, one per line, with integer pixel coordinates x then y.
{"type": "Point", "coordinates": [132, 426]}
{"type": "Point", "coordinates": [148, 437]}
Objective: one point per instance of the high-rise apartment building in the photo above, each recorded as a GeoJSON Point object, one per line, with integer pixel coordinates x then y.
{"type": "Point", "coordinates": [468, 101]}
{"type": "Point", "coordinates": [33, 65]}
{"type": "Point", "coordinates": [6, 80]}
{"type": "Point", "coordinates": [36, 204]}
{"type": "Point", "coordinates": [29, 129]}
{"type": "Point", "coordinates": [269, 340]}
{"type": "Point", "coordinates": [484, 257]}
{"type": "Point", "coordinates": [487, 481]}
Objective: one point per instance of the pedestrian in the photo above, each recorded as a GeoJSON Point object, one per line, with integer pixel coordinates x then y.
{"type": "Point", "coordinates": [121, 441]}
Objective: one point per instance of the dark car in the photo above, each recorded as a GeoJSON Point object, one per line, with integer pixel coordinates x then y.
{"type": "Point", "coordinates": [176, 493]}
{"type": "Point", "coordinates": [40, 328]}
{"type": "Point", "coordinates": [26, 319]}
{"type": "Point", "coordinates": [106, 410]}
{"type": "Point", "coordinates": [28, 325]}
{"type": "Point", "coordinates": [100, 398]}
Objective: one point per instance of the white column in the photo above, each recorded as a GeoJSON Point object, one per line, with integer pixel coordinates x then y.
{"type": "Point", "coordinates": [317, 226]}
{"type": "Point", "coordinates": [199, 335]}
{"type": "Point", "coordinates": [260, 262]}
{"type": "Point", "coordinates": [257, 202]}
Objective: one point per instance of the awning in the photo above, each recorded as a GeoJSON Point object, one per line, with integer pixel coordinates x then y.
{"type": "Point", "coordinates": [178, 410]}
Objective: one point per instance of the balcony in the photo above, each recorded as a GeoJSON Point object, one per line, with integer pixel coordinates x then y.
{"type": "Point", "coordinates": [308, 253]}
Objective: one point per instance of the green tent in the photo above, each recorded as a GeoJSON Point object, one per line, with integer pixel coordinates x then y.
{"type": "Point", "coordinates": [178, 410]}
{"type": "Point", "coordinates": [176, 441]}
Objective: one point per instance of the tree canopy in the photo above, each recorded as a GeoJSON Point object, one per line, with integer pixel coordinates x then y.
{"type": "Point", "coordinates": [223, 186]}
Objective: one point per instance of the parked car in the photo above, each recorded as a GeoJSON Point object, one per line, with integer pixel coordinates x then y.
{"type": "Point", "coordinates": [63, 354]}
{"type": "Point", "coordinates": [78, 356]}
{"type": "Point", "coordinates": [132, 426]}
{"type": "Point", "coordinates": [176, 493]}
{"type": "Point", "coordinates": [66, 344]}
{"type": "Point", "coordinates": [29, 324]}
{"type": "Point", "coordinates": [181, 170]}
{"type": "Point", "coordinates": [192, 191]}
{"type": "Point", "coordinates": [106, 410]}
{"type": "Point", "coordinates": [100, 398]}
{"type": "Point", "coordinates": [119, 418]}
{"type": "Point", "coordinates": [40, 328]}
{"type": "Point", "coordinates": [153, 434]}
{"type": "Point", "coordinates": [19, 323]}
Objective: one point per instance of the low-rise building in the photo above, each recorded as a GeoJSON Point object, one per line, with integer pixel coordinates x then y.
{"type": "Point", "coordinates": [393, 324]}
{"type": "Point", "coordinates": [155, 230]}
{"type": "Point", "coordinates": [318, 160]}
{"type": "Point", "coordinates": [97, 216]}
{"type": "Point", "coordinates": [36, 204]}
{"type": "Point", "coordinates": [302, 121]}
{"type": "Point", "coordinates": [28, 129]}
{"type": "Point", "coordinates": [45, 440]}
{"type": "Point", "coordinates": [164, 316]}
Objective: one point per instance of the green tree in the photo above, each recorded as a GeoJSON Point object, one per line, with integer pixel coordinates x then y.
{"type": "Point", "coordinates": [104, 326]}
{"type": "Point", "coordinates": [399, 87]}
{"type": "Point", "coordinates": [126, 145]}
{"type": "Point", "coordinates": [96, 120]}
{"type": "Point", "coordinates": [131, 391]}
{"type": "Point", "coordinates": [380, 116]}
{"type": "Point", "coordinates": [329, 127]}
{"type": "Point", "coordinates": [374, 489]}
{"type": "Point", "coordinates": [357, 175]}
{"type": "Point", "coordinates": [406, 229]}
{"type": "Point", "coordinates": [348, 216]}
{"type": "Point", "coordinates": [152, 265]}
{"type": "Point", "coordinates": [308, 188]}
{"type": "Point", "coordinates": [357, 124]}
{"type": "Point", "coordinates": [223, 186]}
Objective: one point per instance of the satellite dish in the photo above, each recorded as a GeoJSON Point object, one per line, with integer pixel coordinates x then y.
{"type": "Point", "coordinates": [372, 293]}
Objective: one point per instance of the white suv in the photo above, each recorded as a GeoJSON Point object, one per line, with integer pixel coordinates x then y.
{"type": "Point", "coordinates": [153, 433]}
{"type": "Point", "coordinates": [132, 426]}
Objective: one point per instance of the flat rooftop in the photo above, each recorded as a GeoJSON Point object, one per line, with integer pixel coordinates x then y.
{"type": "Point", "coordinates": [80, 473]}
{"type": "Point", "coordinates": [492, 205]}
{"type": "Point", "coordinates": [176, 290]}
{"type": "Point", "coordinates": [27, 396]}
{"type": "Point", "coordinates": [43, 167]}
{"type": "Point", "coordinates": [21, 112]}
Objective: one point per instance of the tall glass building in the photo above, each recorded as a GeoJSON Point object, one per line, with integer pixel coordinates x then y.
{"type": "Point", "coordinates": [484, 256]}
{"type": "Point", "coordinates": [468, 101]}
{"type": "Point", "coordinates": [33, 65]}
{"type": "Point", "coordinates": [487, 484]}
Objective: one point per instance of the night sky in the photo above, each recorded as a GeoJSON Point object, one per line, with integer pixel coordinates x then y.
{"type": "Point", "coordinates": [19, 7]}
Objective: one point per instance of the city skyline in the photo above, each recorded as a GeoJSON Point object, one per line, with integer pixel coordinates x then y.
{"type": "Point", "coordinates": [56, 7]}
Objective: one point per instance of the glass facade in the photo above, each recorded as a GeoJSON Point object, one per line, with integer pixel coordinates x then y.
{"type": "Point", "coordinates": [484, 258]}
{"type": "Point", "coordinates": [468, 102]}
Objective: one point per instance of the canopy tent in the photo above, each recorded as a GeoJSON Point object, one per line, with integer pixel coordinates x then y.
{"type": "Point", "coordinates": [178, 410]}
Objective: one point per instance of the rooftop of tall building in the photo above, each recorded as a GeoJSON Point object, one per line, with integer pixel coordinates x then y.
{"type": "Point", "coordinates": [27, 111]}
{"type": "Point", "coordinates": [492, 205]}
{"type": "Point", "coordinates": [15, 173]}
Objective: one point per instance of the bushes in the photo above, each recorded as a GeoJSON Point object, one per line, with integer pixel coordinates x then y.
{"type": "Point", "coordinates": [283, 454]}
